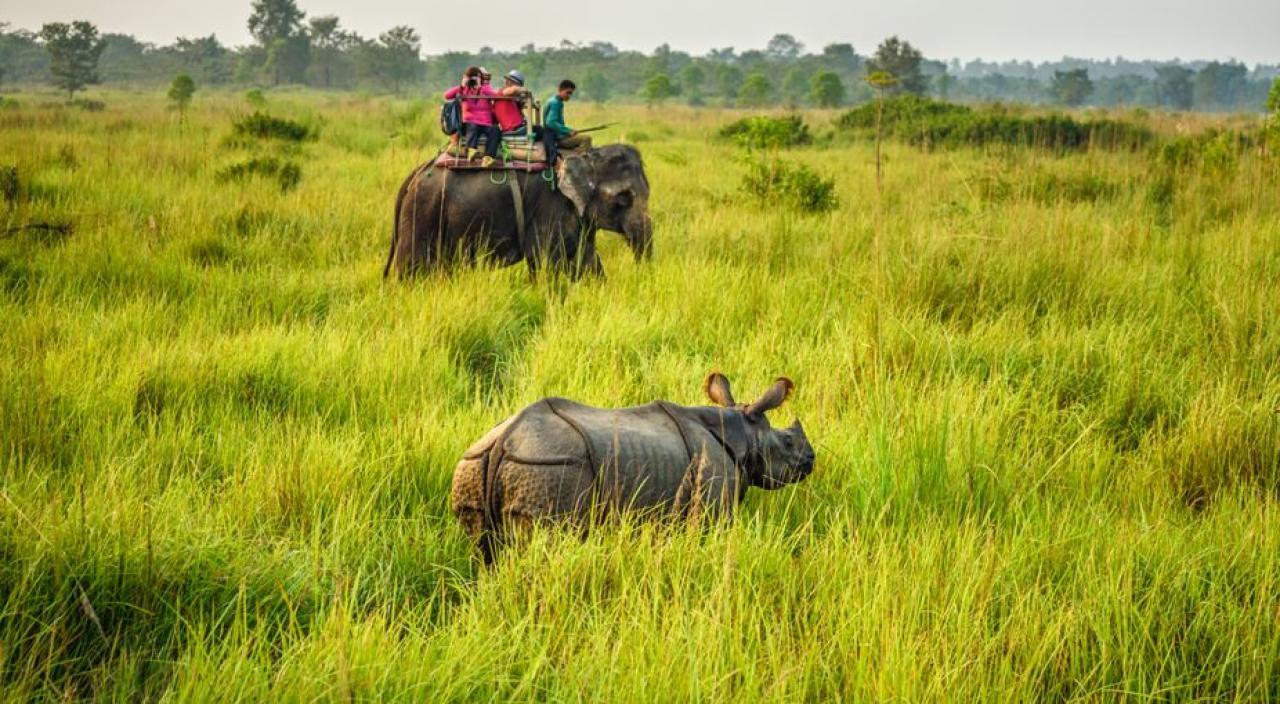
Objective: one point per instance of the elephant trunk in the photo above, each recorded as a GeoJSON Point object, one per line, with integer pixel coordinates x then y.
{"type": "Point", "coordinates": [639, 232]}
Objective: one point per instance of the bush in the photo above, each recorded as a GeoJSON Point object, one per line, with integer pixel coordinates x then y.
{"type": "Point", "coordinates": [906, 110]}
{"type": "Point", "coordinates": [286, 173]}
{"type": "Point", "coordinates": [10, 186]}
{"type": "Point", "coordinates": [1214, 150]}
{"type": "Point", "coordinates": [88, 105]}
{"type": "Point", "coordinates": [769, 181]}
{"type": "Point", "coordinates": [936, 124]}
{"type": "Point", "coordinates": [763, 132]}
{"type": "Point", "coordinates": [260, 125]}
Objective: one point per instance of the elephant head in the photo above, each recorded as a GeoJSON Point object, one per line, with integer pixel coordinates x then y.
{"type": "Point", "coordinates": [609, 190]}
{"type": "Point", "coordinates": [771, 457]}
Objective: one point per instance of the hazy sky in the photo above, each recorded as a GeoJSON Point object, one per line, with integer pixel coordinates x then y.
{"type": "Point", "coordinates": [1248, 30]}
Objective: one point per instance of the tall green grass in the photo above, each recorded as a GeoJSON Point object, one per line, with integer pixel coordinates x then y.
{"type": "Point", "coordinates": [1043, 390]}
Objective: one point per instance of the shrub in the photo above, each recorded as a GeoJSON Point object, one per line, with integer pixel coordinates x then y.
{"type": "Point", "coordinates": [10, 186]}
{"type": "Point", "coordinates": [763, 132]}
{"type": "Point", "coordinates": [88, 105]}
{"type": "Point", "coordinates": [1214, 150]}
{"type": "Point", "coordinates": [900, 110]}
{"type": "Point", "coordinates": [769, 181]}
{"type": "Point", "coordinates": [936, 124]}
{"type": "Point", "coordinates": [286, 173]}
{"type": "Point", "coordinates": [260, 125]}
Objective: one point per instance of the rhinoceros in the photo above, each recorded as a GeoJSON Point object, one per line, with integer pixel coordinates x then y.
{"type": "Point", "coordinates": [561, 461]}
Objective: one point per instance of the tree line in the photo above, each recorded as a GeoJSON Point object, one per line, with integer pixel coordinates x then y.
{"type": "Point", "coordinates": [291, 48]}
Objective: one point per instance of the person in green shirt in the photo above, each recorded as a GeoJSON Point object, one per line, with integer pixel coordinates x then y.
{"type": "Point", "coordinates": [555, 133]}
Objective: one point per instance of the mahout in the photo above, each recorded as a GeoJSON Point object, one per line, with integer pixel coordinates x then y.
{"type": "Point", "coordinates": [558, 461]}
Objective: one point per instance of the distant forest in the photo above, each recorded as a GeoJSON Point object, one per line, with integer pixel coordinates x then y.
{"type": "Point", "coordinates": [291, 48]}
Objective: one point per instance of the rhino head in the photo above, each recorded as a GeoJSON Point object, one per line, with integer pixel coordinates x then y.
{"type": "Point", "coordinates": [771, 457]}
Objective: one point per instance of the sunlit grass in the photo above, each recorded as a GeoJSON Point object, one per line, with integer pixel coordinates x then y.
{"type": "Point", "coordinates": [1044, 404]}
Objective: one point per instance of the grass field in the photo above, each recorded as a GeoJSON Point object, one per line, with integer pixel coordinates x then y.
{"type": "Point", "coordinates": [1043, 388]}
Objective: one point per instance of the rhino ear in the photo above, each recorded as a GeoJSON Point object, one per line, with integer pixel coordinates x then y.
{"type": "Point", "coordinates": [577, 182]}
{"type": "Point", "coordinates": [717, 389]}
{"type": "Point", "coordinates": [774, 397]}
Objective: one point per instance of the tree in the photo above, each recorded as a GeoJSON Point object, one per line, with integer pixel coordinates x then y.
{"type": "Point", "coordinates": [795, 85]}
{"type": "Point", "coordinates": [840, 56]}
{"type": "Point", "coordinates": [659, 62]}
{"type": "Point", "coordinates": [783, 47]}
{"type": "Point", "coordinates": [692, 78]}
{"type": "Point", "coordinates": [657, 89]}
{"type": "Point", "coordinates": [595, 86]}
{"type": "Point", "coordinates": [277, 26]}
{"type": "Point", "coordinates": [728, 80]}
{"type": "Point", "coordinates": [1071, 87]}
{"type": "Point", "coordinates": [943, 83]}
{"type": "Point", "coordinates": [399, 50]}
{"type": "Point", "coordinates": [180, 92]}
{"type": "Point", "coordinates": [755, 91]}
{"type": "Point", "coordinates": [1174, 88]}
{"type": "Point", "coordinates": [880, 81]}
{"type": "Point", "coordinates": [902, 61]}
{"type": "Point", "coordinates": [825, 89]}
{"type": "Point", "coordinates": [1273, 98]}
{"type": "Point", "coordinates": [1219, 86]}
{"type": "Point", "coordinates": [328, 41]}
{"type": "Point", "coordinates": [74, 50]}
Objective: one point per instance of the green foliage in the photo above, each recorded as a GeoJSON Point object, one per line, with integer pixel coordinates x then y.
{"type": "Point", "coordinates": [180, 92]}
{"type": "Point", "coordinates": [769, 181]}
{"type": "Point", "coordinates": [270, 20]}
{"type": "Point", "coordinates": [74, 50]}
{"type": "Point", "coordinates": [756, 91]}
{"type": "Point", "coordinates": [826, 90]}
{"type": "Point", "coordinates": [1273, 98]}
{"type": "Point", "coordinates": [1174, 87]}
{"type": "Point", "coordinates": [795, 85]}
{"type": "Point", "coordinates": [398, 56]}
{"type": "Point", "coordinates": [1045, 424]}
{"type": "Point", "coordinates": [902, 61]}
{"type": "Point", "coordinates": [693, 81]}
{"type": "Point", "coordinates": [256, 98]}
{"type": "Point", "coordinates": [728, 79]}
{"type": "Point", "coordinates": [658, 88]}
{"type": "Point", "coordinates": [947, 125]}
{"type": "Point", "coordinates": [1071, 87]}
{"type": "Point", "coordinates": [764, 132]}
{"type": "Point", "coordinates": [277, 27]}
{"type": "Point", "coordinates": [10, 184]}
{"type": "Point", "coordinates": [596, 86]}
{"type": "Point", "coordinates": [287, 174]}
{"type": "Point", "coordinates": [260, 125]}
{"type": "Point", "coordinates": [88, 105]}
{"type": "Point", "coordinates": [1218, 86]}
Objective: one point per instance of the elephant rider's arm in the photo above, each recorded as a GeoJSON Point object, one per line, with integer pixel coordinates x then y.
{"type": "Point", "coordinates": [553, 118]}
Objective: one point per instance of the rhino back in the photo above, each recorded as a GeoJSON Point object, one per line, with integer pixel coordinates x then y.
{"type": "Point", "coordinates": [643, 456]}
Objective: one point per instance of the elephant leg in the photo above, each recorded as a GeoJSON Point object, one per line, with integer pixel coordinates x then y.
{"type": "Point", "coordinates": [588, 261]}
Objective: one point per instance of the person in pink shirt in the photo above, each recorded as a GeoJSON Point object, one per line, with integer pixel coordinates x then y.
{"type": "Point", "coordinates": [478, 118]}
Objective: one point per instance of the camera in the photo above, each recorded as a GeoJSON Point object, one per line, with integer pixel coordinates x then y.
{"type": "Point", "coordinates": [472, 81]}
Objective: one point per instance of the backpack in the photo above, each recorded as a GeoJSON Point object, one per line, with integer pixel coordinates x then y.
{"type": "Point", "coordinates": [451, 116]}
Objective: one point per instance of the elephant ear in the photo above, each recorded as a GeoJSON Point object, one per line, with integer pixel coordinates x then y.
{"type": "Point", "coordinates": [577, 182]}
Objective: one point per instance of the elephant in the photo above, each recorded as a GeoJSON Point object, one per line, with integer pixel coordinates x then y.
{"type": "Point", "coordinates": [447, 216]}
{"type": "Point", "coordinates": [557, 461]}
